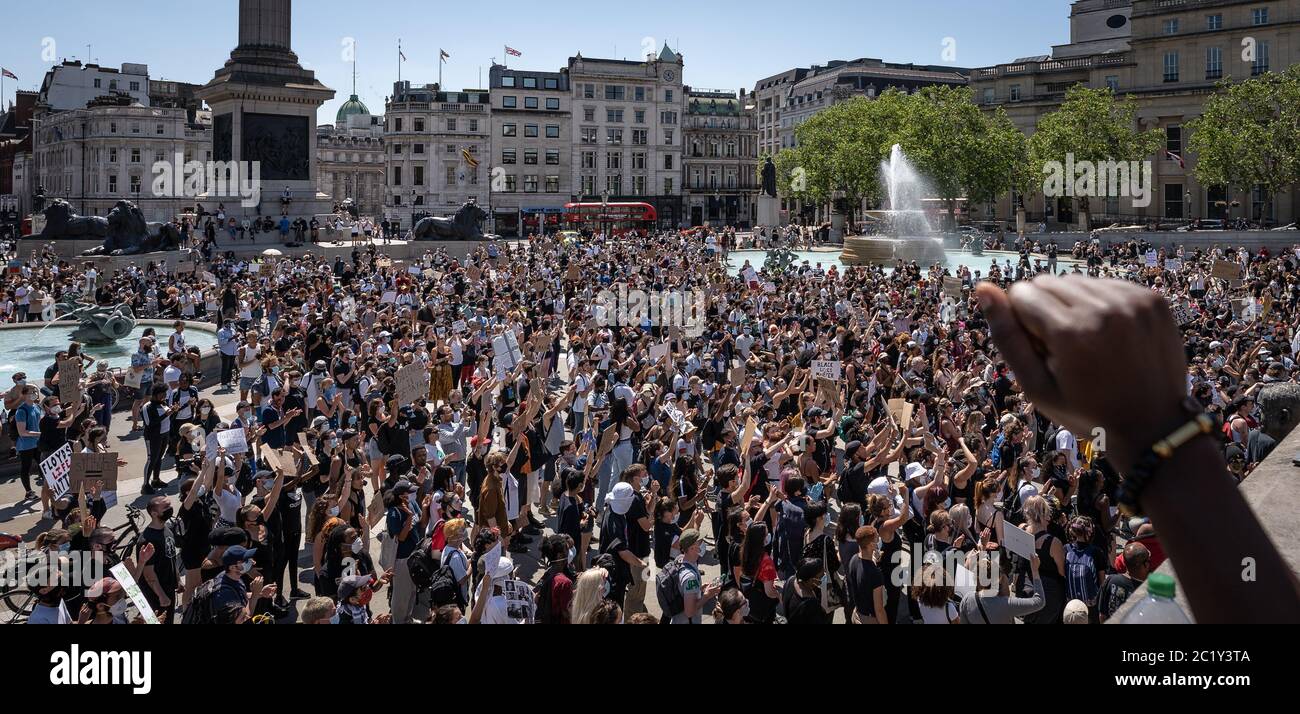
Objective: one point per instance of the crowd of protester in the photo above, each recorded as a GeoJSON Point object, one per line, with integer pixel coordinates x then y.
{"type": "Point", "coordinates": [594, 473]}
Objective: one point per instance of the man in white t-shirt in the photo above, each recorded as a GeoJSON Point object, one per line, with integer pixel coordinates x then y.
{"type": "Point", "coordinates": [511, 601]}
{"type": "Point", "coordinates": [582, 389]}
{"type": "Point", "coordinates": [1066, 442]}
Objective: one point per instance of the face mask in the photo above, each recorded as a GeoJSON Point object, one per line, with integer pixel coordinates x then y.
{"type": "Point", "coordinates": [65, 547]}
{"type": "Point", "coordinates": [334, 511]}
{"type": "Point", "coordinates": [767, 540]}
{"type": "Point", "coordinates": [268, 483]}
{"type": "Point", "coordinates": [167, 514]}
{"type": "Point", "coordinates": [604, 592]}
{"type": "Point", "coordinates": [573, 553]}
{"type": "Point", "coordinates": [202, 490]}
{"type": "Point", "coordinates": [356, 546]}
{"type": "Point", "coordinates": [119, 608]}
{"type": "Point", "coordinates": [652, 379]}
{"type": "Point", "coordinates": [352, 420]}
{"type": "Point", "coordinates": [245, 566]}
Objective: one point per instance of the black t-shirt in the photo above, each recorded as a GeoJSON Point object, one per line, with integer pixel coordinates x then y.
{"type": "Point", "coordinates": [638, 539]}
{"type": "Point", "coordinates": [164, 551]}
{"type": "Point", "coordinates": [665, 535]}
{"type": "Point", "coordinates": [1114, 592]}
{"type": "Point", "coordinates": [853, 485]}
{"type": "Point", "coordinates": [803, 609]}
{"type": "Point", "coordinates": [860, 583]}
{"type": "Point", "coordinates": [197, 521]}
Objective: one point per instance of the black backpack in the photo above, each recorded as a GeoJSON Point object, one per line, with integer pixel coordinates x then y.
{"type": "Point", "coordinates": [200, 610]}
{"type": "Point", "coordinates": [668, 588]}
{"type": "Point", "coordinates": [422, 564]}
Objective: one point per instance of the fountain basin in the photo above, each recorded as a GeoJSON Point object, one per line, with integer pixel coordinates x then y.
{"type": "Point", "coordinates": [30, 347]}
{"type": "Point", "coordinates": [875, 250]}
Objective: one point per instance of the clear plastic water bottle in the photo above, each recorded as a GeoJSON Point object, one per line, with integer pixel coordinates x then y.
{"type": "Point", "coordinates": [1158, 608]}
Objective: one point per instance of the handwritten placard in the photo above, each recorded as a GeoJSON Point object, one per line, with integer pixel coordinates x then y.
{"type": "Point", "coordinates": [57, 469]}
{"type": "Point", "coordinates": [94, 467]}
{"type": "Point", "coordinates": [827, 369]}
{"type": "Point", "coordinates": [1225, 270]}
{"type": "Point", "coordinates": [70, 381]}
{"type": "Point", "coordinates": [412, 383]}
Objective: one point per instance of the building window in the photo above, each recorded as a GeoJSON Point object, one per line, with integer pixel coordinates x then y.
{"type": "Point", "coordinates": [99, 83]}
{"type": "Point", "coordinates": [1261, 59]}
{"type": "Point", "coordinates": [1174, 141]}
{"type": "Point", "coordinates": [135, 156]}
{"type": "Point", "coordinates": [508, 130]}
{"type": "Point", "coordinates": [509, 102]}
{"type": "Point", "coordinates": [451, 124]}
{"type": "Point", "coordinates": [614, 160]}
{"type": "Point", "coordinates": [1171, 27]}
{"type": "Point", "coordinates": [614, 116]}
{"type": "Point", "coordinates": [397, 175]}
{"type": "Point", "coordinates": [588, 91]}
{"type": "Point", "coordinates": [1173, 200]}
{"type": "Point", "coordinates": [989, 96]}
{"type": "Point", "coordinates": [615, 92]}
{"type": "Point", "coordinates": [550, 83]}
{"type": "Point", "coordinates": [638, 160]}
{"type": "Point", "coordinates": [418, 178]}
{"type": "Point", "coordinates": [1214, 22]}
{"type": "Point", "coordinates": [588, 185]}
{"type": "Point", "coordinates": [668, 117]}
{"type": "Point", "coordinates": [668, 137]}
{"type": "Point", "coordinates": [510, 183]}
{"type": "Point", "coordinates": [530, 184]}
{"type": "Point", "coordinates": [638, 185]}
{"type": "Point", "coordinates": [668, 162]}
{"type": "Point", "coordinates": [397, 125]}
{"type": "Point", "coordinates": [112, 84]}
{"type": "Point", "coordinates": [419, 200]}
{"type": "Point", "coordinates": [507, 81]}
{"type": "Point", "coordinates": [638, 94]}
{"type": "Point", "coordinates": [1213, 63]}
{"type": "Point", "coordinates": [397, 200]}
{"type": "Point", "coordinates": [588, 159]}
{"type": "Point", "coordinates": [530, 130]}
{"type": "Point", "coordinates": [639, 116]}
{"type": "Point", "coordinates": [552, 184]}
{"type": "Point", "coordinates": [530, 83]}
{"type": "Point", "coordinates": [530, 157]}
{"type": "Point", "coordinates": [552, 131]}
{"type": "Point", "coordinates": [613, 136]}
{"type": "Point", "coordinates": [418, 123]}
{"type": "Point", "coordinates": [451, 175]}
{"type": "Point", "coordinates": [507, 156]}
{"type": "Point", "coordinates": [135, 127]}
{"type": "Point", "coordinates": [530, 102]}
{"type": "Point", "coordinates": [160, 130]}
{"type": "Point", "coordinates": [1171, 66]}
{"type": "Point", "coordinates": [112, 180]}
{"type": "Point", "coordinates": [553, 157]}
{"type": "Point", "coordinates": [417, 148]}
{"type": "Point", "coordinates": [397, 149]}
{"type": "Point", "coordinates": [614, 184]}
{"type": "Point", "coordinates": [639, 136]}
{"type": "Point", "coordinates": [1112, 81]}
{"type": "Point", "coordinates": [668, 96]}
{"type": "Point", "coordinates": [553, 103]}
{"type": "Point", "coordinates": [135, 86]}
{"type": "Point", "coordinates": [1015, 92]}
{"type": "Point", "coordinates": [668, 186]}
{"type": "Point", "coordinates": [1259, 16]}
{"type": "Point", "coordinates": [451, 148]}
{"type": "Point", "coordinates": [588, 135]}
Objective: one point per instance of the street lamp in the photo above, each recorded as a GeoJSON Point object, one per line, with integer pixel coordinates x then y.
{"type": "Point", "coordinates": [604, 208]}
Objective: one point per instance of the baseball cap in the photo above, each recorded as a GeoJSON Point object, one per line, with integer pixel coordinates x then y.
{"type": "Point", "coordinates": [227, 535]}
{"type": "Point", "coordinates": [852, 447]}
{"type": "Point", "coordinates": [1076, 613]}
{"type": "Point", "coordinates": [236, 554]}
{"type": "Point", "coordinates": [350, 584]}
{"type": "Point", "coordinates": [688, 538]}
{"type": "Point", "coordinates": [402, 487]}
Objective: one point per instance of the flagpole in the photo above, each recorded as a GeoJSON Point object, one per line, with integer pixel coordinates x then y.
{"type": "Point", "coordinates": [441, 61]}
{"type": "Point", "coordinates": [399, 60]}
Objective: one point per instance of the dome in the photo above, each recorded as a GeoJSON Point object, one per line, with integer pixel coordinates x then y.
{"type": "Point", "coordinates": [351, 107]}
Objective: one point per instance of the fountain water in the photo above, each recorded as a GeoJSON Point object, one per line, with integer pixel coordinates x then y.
{"type": "Point", "coordinates": [904, 231]}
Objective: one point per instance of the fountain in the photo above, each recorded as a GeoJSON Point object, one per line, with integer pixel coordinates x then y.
{"type": "Point", "coordinates": [904, 231]}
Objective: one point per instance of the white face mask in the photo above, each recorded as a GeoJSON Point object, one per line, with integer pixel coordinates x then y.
{"type": "Point", "coordinates": [245, 566]}
{"type": "Point", "coordinates": [334, 511]}
{"type": "Point", "coordinates": [356, 546]}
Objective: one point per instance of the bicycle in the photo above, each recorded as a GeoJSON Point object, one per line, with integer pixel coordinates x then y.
{"type": "Point", "coordinates": [17, 600]}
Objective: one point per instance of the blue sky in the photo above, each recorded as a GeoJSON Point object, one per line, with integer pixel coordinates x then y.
{"type": "Point", "coordinates": [726, 44]}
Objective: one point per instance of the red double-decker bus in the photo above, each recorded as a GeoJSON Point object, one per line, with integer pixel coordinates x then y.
{"type": "Point", "coordinates": [612, 218]}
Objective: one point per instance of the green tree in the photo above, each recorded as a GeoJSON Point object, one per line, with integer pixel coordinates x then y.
{"type": "Point", "coordinates": [1091, 125]}
{"type": "Point", "coordinates": [1249, 135]}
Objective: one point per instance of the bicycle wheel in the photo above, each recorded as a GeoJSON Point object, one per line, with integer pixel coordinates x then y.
{"type": "Point", "coordinates": [16, 605]}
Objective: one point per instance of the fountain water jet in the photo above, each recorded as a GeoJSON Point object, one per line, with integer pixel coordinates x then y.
{"type": "Point", "coordinates": [906, 233]}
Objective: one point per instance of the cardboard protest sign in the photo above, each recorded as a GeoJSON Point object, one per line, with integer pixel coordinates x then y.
{"type": "Point", "coordinates": [306, 450]}
{"type": "Point", "coordinates": [132, 588]}
{"type": "Point", "coordinates": [70, 381]}
{"type": "Point", "coordinates": [1019, 542]}
{"type": "Point", "coordinates": [1150, 258]}
{"type": "Point", "coordinates": [751, 275]}
{"type": "Point", "coordinates": [413, 270]}
{"type": "Point", "coordinates": [273, 460]}
{"type": "Point", "coordinates": [389, 296]}
{"type": "Point", "coordinates": [769, 287]}
{"type": "Point", "coordinates": [94, 467]}
{"type": "Point", "coordinates": [751, 430]}
{"type": "Point", "coordinates": [1225, 270]}
{"type": "Point", "coordinates": [502, 358]}
{"type": "Point", "coordinates": [1182, 315]}
{"type": "Point", "coordinates": [574, 274]}
{"type": "Point", "coordinates": [952, 287]}
{"type": "Point", "coordinates": [827, 369]}
{"type": "Point", "coordinates": [658, 351]}
{"type": "Point", "coordinates": [458, 327]}
{"type": "Point", "coordinates": [57, 470]}
{"type": "Point", "coordinates": [736, 376]}
{"type": "Point", "coordinates": [901, 412]}
{"type": "Point", "coordinates": [233, 440]}
{"type": "Point", "coordinates": [412, 383]}
{"type": "Point", "coordinates": [384, 263]}
{"type": "Point", "coordinates": [1173, 265]}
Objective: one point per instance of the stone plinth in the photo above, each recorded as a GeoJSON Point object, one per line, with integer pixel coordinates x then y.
{"type": "Point", "coordinates": [769, 211]}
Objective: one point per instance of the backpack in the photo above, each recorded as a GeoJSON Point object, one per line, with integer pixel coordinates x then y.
{"type": "Point", "coordinates": [200, 610]}
{"type": "Point", "coordinates": [668, 588]}
{"type": "Point", "coordinates": [790, 528]}
{"type": "Point", "coordinates": [422, 564]}
{"type": "Point", "coordinates": [1081, 573]}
